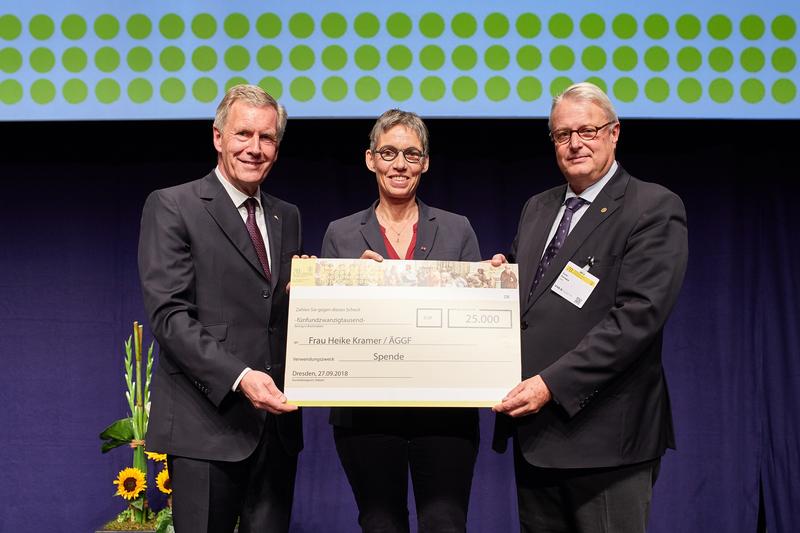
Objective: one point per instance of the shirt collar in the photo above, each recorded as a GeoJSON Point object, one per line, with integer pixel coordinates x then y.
{"type": "Point", "coordinates": [591, 192]}
{"type": "Point", "coordinates": [236, 195]}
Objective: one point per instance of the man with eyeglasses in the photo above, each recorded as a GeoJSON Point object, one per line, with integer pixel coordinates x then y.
{"type": "Point", "coordinates": [602, 260]}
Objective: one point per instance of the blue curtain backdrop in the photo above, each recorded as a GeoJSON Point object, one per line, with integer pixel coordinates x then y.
{"type": "Point", "coordinates": [69, 212]}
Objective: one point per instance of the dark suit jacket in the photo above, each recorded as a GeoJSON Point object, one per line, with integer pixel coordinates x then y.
{"type": "Point", "coordinates": [213, 313]}
{"type": "Point", "coordinates": [602, 363]}
{"type": "Point", "coordinates": [441, 235]}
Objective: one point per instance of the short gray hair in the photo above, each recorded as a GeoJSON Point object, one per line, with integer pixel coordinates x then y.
{"type": "Point", "coordinates": [585, 92]}
{"type": "Point", "coordinates": [251, 95]}
{"type": "Point", "coordinates": [397, 117]}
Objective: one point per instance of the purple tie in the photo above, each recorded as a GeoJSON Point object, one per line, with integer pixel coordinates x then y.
{"type": "Point", "coordinates": [573, 204]}
{"type": "Point", "coordinates": [255, 236]}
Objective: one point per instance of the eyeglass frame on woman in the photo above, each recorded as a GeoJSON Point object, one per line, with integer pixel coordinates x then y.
{"type": "Point", "coordinates": [380, 152]}
{"type": "Point", "coordinates": [592, 130]}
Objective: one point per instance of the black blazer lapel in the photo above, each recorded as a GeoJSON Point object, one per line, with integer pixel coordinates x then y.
{"type": "Point", "coordinates": [604, 205]}
{"type": "Point", "coordinates": [221, 208]}
{"type": "Point", "coordinates": [371, 231]}
{"type": "Point", "coordinates": [274, 224]}
{"type": "Point", "coordinates": [426, 231]}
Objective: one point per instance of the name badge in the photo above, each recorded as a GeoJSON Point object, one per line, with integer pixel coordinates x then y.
{"type": "Point", "coordinates": [575, 284]}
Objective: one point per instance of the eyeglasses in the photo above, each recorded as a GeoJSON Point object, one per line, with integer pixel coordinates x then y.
{"type": "Point", "coordinates": [390, 153]}
{"type": "Point", "coordinates": [586, 133]}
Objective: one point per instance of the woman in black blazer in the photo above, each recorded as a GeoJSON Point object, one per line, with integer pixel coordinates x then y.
{"type": "Point", "coordinates": [377, 446]}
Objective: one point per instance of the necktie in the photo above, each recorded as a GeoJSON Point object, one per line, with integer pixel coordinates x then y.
{"type": "Point", "coordinates": [573, 204]}
{"type": "Point", "coordinates": [255, 235]}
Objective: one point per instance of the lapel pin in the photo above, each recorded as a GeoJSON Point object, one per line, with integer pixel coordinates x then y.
{"type": "Point", "coordinates": [276, 216]}
{"type": "Point", "coordinates": [603, 210]}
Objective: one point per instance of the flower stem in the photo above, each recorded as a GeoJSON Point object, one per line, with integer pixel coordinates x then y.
{"type": "Point", "coordinates": [139, 460]}
{"type": "Point", "coordinates": [137, 337]}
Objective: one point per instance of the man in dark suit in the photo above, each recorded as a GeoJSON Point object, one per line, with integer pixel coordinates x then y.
{"type": "Point", "coordinates": [214, 259]}
{"type": "Point", "coordinates": [601, 263]}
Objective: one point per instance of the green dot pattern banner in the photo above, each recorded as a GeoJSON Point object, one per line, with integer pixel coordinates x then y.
{"type": "Point", "coordinates": [85, 60]}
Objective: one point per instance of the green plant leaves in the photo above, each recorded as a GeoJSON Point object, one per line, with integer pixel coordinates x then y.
{"type": "Point", "coordinates": [164, 521]}
{"type": "Point", "coordinates": [118, 433]}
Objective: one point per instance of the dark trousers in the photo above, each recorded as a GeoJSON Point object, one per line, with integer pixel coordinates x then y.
{"type": "Point", "coordinates": [585, 500]}
{"type": "Point", "coordinates": [208, 496]}
{"type": "Point", "coordinates": [377, 465]}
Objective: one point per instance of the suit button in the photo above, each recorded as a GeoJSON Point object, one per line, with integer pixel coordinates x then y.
{"type": "Point", "coordinates": [268, 368]}
{"type": "Point", "coordinates": [271, 329]}
{"type": "Point", "coordinates": [524, 324]}
{"type": "Point", "coordinates": [265, 293]}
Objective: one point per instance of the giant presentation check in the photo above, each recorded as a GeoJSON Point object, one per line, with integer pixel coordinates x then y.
{"type": "Point", "coordinates": [401, 333]}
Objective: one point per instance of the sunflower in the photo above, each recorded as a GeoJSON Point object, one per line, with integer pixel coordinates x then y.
{"type": "Point", "coordinates": [130, 483]}
{"type": "Point", "coordinates": [156, 456]}
{"type": "Point", "coordinates": [163, 482]}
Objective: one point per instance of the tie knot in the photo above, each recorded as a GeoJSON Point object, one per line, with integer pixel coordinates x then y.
{"type": "Point", "coordinates": [251, 204]}
{"type": "Point", "coordinates": [575, 203]}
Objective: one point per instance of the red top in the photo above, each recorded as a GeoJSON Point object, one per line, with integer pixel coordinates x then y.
{"type": "Point", "coordinates": [392, 253]}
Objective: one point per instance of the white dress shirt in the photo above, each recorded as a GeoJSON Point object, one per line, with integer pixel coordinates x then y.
{"type": "Point", "coordinates": [239, 198]}
{"type": "Point", "coordinates": [589, 195]}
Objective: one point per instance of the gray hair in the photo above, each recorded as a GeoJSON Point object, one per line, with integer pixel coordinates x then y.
{"type": "Point", "coordinates": [397, 117]}
{"type": "Point", "coordinates": [585, 92]}
{"type": "Point", "coordinates": [252, 95]}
